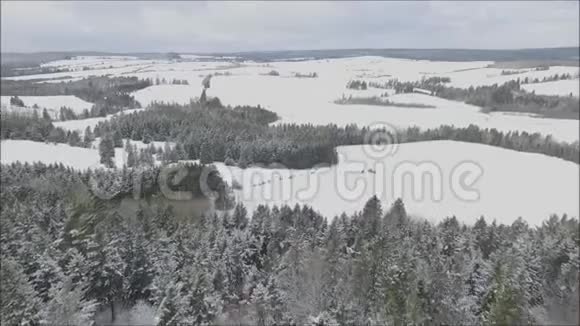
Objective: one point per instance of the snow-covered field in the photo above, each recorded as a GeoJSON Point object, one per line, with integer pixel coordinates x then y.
{"type": "Point", "coordinates": [490, 76]}
{"type": "Point", "coordinates": [181, 94]}
{"type": "Point", "coordinates": [30, 151]}
{"type": "Point", "coordinates": [97, 62]}
{"type": "Point", "coordinates": [346, 186]}
{"type": "Point", "coordinates": [76, 157]}
{"type": "Point", "coordinates": [559, 87]}
{"type": "Point", "coordinates": [284, 96]}
{"type": "Point", "coordinates": [311, 100]}
{"type": "Point", "coordinates": [462, 179]}
{"type": "Point", "coordinates": [87, 61]}
{"type": "Point", "coordinates": [51, 103]}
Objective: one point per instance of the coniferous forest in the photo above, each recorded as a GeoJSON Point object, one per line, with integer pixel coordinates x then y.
{"type": "Point", "coordinates": [70, 258]}
{"type": "Point", "coordinates": [107, 251]}
{"type": "Point", "coordinates": [224, 182]}
{"type": "Point", "coordinates": [244, 135]}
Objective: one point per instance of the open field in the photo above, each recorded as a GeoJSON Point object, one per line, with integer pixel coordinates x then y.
{"type": "Point", "coordinates": [346, 186]}
{"type": "Point", "coordinates": [311, 100]}
{"type": "Point", "coordinates": [51, 103]}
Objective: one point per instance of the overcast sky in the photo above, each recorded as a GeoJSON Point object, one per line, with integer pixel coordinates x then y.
{"type": "Point", "coordinates": [243, 26]}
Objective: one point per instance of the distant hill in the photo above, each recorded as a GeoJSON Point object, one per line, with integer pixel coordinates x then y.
{"type": "Point", "coordinates": [562, 54]}
{"type": "Point", "coordinates": [546, 54]}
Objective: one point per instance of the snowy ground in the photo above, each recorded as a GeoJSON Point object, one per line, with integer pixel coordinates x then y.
{"type": "Point", "coordinates": [30, 151]}
{"type": "Point", "coordinates": [292, 108]}
{"type": "Point", "coordinates": [452, 183]}
{"type": "Point", "coordinates": [490, 76]}
{"type": "Point", "coordinates": [51, 103]}
{"type": "Point", "coordinates": [311, 100]}
{"type": "Point", "coordinates": [181, 94]}
{"type": "Point", "coordinates": [559, 87]}
{"type": "Point", "coordinates": [76, 157]}
{"type": "Point", "coordinates": [348, 185]}
{"type": "Point", "coordinates": [97, 62]}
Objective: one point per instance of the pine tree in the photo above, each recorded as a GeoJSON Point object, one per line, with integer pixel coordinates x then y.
{"type": "Point", "coordinates": [105, 276]}
{"type": "Point", "coordinates": [203, 97]}
{"type": "Point", "coordinates": [170, 311]}
{"type": "Point", "coordinates": [68, 306]}
{"type": "Point", "coordinates": [131, 154]}
{"type": "Point", "coordinates": [45, 115]}
{"type": "Point", "coordinates": [146, 158]}
{"type": "Point", "coordinates": [19, 305]}
{"type": "Point", "coordinates": [117, 139]}
{"type": "Point", "coordinates": [371, 217]}
{"type": "Point", "coordinates": [107, 151]}
{"type": "Point", "coordinates": [239, 218]}
{"type": "Point", "coordinates": [74, 139]}
{"type": "Point", "coordinates": [88, 137]}
{"type": "Point", "coordinates": [502, 306]}
{"type": "Point", "coordinates": [147, 138]}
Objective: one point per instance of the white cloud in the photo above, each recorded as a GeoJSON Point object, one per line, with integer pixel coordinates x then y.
{"type": "Point", "coordinates": [236, 26]}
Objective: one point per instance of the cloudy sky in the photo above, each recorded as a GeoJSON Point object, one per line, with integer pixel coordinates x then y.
{"type": "Point", "coordinates": [243, 26]}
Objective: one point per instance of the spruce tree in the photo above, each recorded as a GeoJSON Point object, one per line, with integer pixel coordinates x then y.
{"type": "Point", "coordinates": [107, 151]}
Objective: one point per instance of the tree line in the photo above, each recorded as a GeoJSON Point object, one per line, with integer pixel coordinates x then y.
{"type": "Point", "coordinates": [509, 97]}
{"type": "Point", "coordinates": [108, 95]}
{"type": "Point", "coordinates": [379, 101]}
{"type": "Point", "coordinates": [244, 135]}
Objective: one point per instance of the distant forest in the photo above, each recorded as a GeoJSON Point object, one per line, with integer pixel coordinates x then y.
{"type": "Point", "coordinates": [11, 62]}
{"type": "Point", "coordinates": [563, 54]}
{"type": "Point", "coordinates": [507, 97]}
{"type": "Point", "coordinates": [109, 95]}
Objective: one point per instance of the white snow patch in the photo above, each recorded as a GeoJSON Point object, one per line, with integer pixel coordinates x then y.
{"type": "Point", "coordinates": [311, 100]}
{"type": "Point", "coordinates": [30, 151]}
{"type": "Point", "coordinates": [509, 187]}
{"type": "Point", "coordinates": [52, 103]}
{"type": "Point", "coordinates": [181, 94]}
{"type": "Point", "coordinates": [490, 76]}
{"type": "Point", "coordinates": [76, 157]}
{"type": "Point", "coordinates": [558, 87]}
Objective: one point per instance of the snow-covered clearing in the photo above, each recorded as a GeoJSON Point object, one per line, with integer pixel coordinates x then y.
{"type": "Point", "coordinates": [71, 75]}
{"type": "Point", "coordinates": [558, 87]}
{"type": "Point", "coordinates": [75, 157]}
{"type": "Point", "coordinates": [87, 61]}
{"type": "Point", "coordinates": [509, 185]}
{"type": "Point", "coordinates": [295, 102]}
{"type": "Point", "coordinates": [490, 76]}
{"type": "Point", "coordinates": [30, 151]}
{"type": "Point", "coordinates": [126, 66]}
{"type": "Point", "coordinates": [181, 94]}
{"type": "Point", "coordinates": [97, 62]}
{"type": "Point", "coordinates": [82, 124]}
{"type": "Point", "coordinates": [50, 103]}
